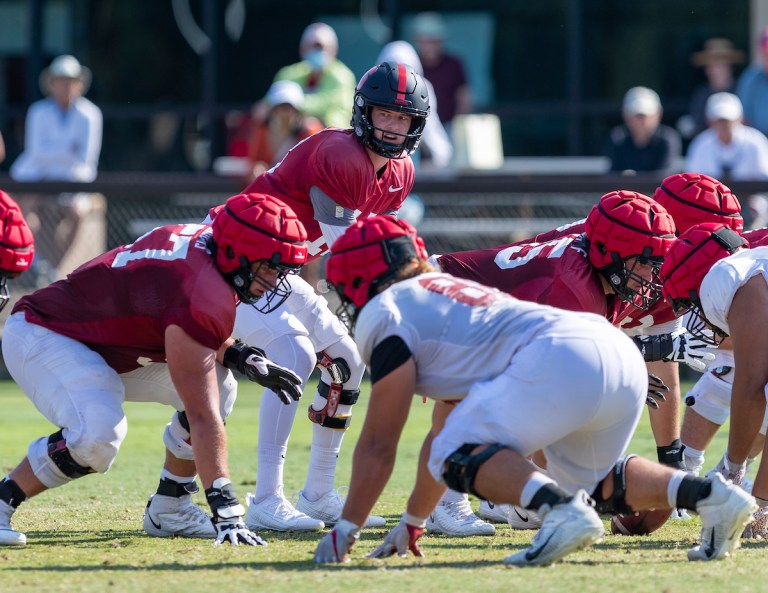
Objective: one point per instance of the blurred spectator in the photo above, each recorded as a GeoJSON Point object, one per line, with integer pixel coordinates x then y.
{"type": "Point", "coordinates": [758, 210]}
{"type": "Point", "coordinates": [752, 87]}
{"type": "Point", "coordinates": [328, 85]}
{"type": "Point", "coordinates": [434, 141]}
{"type": "Point", "coordinates": [728, 149]}
{"type": "Point", "coordinates": [445, 71]}
{"type": "Point", "coordinates": [286, 124]}
{"type": "Point", "coordinates": [62, 142]}
{"type": "Point", "coordinates": [718, 59]}
{"type": "Point", "coordinates": [643, 143]}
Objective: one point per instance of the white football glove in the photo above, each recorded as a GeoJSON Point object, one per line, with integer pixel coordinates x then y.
{"type": "Point", "coordinates": [691, 350]}
{"type": "Point", "coordinates": [729, 470]}
{"type": "Point", "coordinates": [400, 540]}
{"type": "Point", "coordinates": [335, 545]}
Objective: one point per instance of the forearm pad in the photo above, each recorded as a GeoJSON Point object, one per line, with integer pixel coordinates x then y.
{"type": "Point", "coordinates": [236, 355]}
{"type": "Point", "coordinates": [654, 348]}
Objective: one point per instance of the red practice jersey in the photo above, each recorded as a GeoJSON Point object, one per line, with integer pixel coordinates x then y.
{"type": "Point", "coordinates": [120, 303]}
{"type": "Point", "coordinates": [756, 237]}
{"type": "Point", "coordinates": [555, 273]}
{"type": "Point", "coordinates": [337, 164]}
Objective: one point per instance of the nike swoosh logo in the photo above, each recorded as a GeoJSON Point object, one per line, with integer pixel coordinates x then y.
{"type": "Point", "coordinates": [533, 554]}
{"type": "Point", "coordinates": [522, 518]}
{"type": "Point", "coordinates": [490, 504]}
{"type": "Point", "coordinates": [391, 188]}
{"type": "Point", "coordinates": [151, 520]}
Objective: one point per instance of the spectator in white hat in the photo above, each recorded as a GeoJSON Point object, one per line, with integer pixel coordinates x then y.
{"type": "Point", "coordinates": [728, 149]}
{"type": "Point", "coordinates": [285, 125]}
{"type": "Point", "coordinates": [643, 143]}
{"type": "Point", "coordinates": [64, 130]}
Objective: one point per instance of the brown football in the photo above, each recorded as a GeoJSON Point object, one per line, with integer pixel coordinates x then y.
{"type": "Point", "coordinates": [639, 523]}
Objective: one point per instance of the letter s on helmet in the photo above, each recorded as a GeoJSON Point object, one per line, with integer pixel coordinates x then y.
{"type": "Point", "coordinates": [684, 268]}
{"type": "Point", "coordinates": [694, 198]}
{"type": "Point", "coordinates": [259, 228]}
{"type": "Point", "coordinates": [369, 254]}
{"type": "Point", "coordinates": [625, 225]}
{"type": "Point", "coordinates": [396, 87]}
{"type": "Point", "coordinates": [17, 246]}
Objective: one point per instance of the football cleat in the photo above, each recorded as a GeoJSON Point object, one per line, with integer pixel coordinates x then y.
{"type": "Point", "coordinates": [457, 519]}
{"type": "Point", "coordinates": [8, 535]}
{"type": "Point", "coordinates": [494, 513]}
{"type": "Point", "coordinates": [566, 527]}
{"type": "Point", "coordinates": [171, 516]}
{"type": "Point", "coordinates": [758, 527]}
{"type": "Point", "coordinates": [329, 506]}
{"type": "Point", "coordinates": [276, 513]}
{"type": "Point", "coordinates": [724, 514]}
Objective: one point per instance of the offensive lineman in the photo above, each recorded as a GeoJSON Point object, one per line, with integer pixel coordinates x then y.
{"type": "Point", "coordinates": [151, 321]}
{"type": "Point", "coordinates": [329, 179]}
{"type": "Point", "coordinates": [459, 342]}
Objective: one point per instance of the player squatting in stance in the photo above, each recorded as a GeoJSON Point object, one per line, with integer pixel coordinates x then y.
{"type": "Point", "coordinates": [589, 271]}
{"type": "Point", "coordinates": [328, 179]}
{"type": "Point", "coordinates": [459, 342]}
{"type": "Point", "coordinates": [722, 286]}
{"type": "Point", "coordinates": [151, 321]}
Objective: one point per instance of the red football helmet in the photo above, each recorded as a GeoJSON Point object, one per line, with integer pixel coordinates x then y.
{"type": "Point", "coordinates": [685, 266]}
{"type": "Point", "coordinates": [368, 254]}
{"type": "Point", "coordinates": [625, 225]}
{"type": "Point", "coordinates": [259, 228]}
{"type": "Point", "coordinates": [693, 198]}
{"type": "Point", "coordinates": [17, 246]}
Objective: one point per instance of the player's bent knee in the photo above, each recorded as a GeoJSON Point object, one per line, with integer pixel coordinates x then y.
{"type": "Point", "coordinates": [460, 469]}
{"type": "Point", "coordinates": [176, 435]}
{"type": "Point", "coordinates": [710, 397]}
{"type": "Point", "coordinates": [336, 403]}
{"type": "Point", "coordinates": [616, 503]}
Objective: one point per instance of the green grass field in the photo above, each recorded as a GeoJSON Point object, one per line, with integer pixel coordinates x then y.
{"type": "Point", "coordinates": [88, 537]}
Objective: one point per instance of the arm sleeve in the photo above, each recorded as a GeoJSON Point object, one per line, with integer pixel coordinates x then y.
{"type": "Point", "coordinates": [387, 356]}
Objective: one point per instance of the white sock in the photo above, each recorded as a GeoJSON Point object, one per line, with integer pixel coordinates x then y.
{"type": "Point", "coordinates": [165, 474]}
{"type": "Point", "coordinates": [275, 423]}
{"type": "Point", "coordinates": [451, 496]}
{"type": "Point", "coordinates": [532, 486]}
{"type": "Point", "coordinates": [694, 460]}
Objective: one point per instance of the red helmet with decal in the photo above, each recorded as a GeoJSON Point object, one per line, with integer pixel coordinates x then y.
{"type": "Point", "coordinates": [17, 246]}
{"type": "Point", "coordinates": [371, 252]}
{"type": "Point", "coordinates": [628, 228]}
{"type": "Point", "coordinates": [395, 87]}
{"type": "Point", "coordinates": [685, 266]}
{"type": "Point", "coordinates": [259, 228]}
{"type": "Point", "coordinates": [694, 198]}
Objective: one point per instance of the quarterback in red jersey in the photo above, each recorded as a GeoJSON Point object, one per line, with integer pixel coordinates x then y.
{"type": "Point", "coordinates": [149, 322]}
{"type": "Point", "coordinates": [329, 179]}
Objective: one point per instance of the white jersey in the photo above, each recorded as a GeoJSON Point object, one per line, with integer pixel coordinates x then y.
{"type": "Point", "coordinates": [725, 278]}
{"type": "Point", "coordinates": [460, 332]}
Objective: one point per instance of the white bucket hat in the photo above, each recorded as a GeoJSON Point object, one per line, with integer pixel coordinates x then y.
{"type": "Point", "coordinates": [65, 66]}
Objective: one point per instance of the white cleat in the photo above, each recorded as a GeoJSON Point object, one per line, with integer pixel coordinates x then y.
{"type": "Point", "coordinates": [567, 527]}
{"type": "Point", "coordinates": [171, 516]}
{"type": "Point", "coordinates": [494, 513]}
{"type": "Point", "coordinates": [724, 514]}
{"type": "Point", "coordinates": [680, 515]}
{"type": "Point", "coordinates": [329, 506]}
{"type": "Point", "coordinates": [8, 535]}
{"type": "Point", "coordinates": [276, 513]}
{"type": "Point", "coordinates": [457, 519]}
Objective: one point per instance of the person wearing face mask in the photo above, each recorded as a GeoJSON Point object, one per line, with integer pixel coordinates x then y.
{"type": "Point", "coordinates": [328, 84]}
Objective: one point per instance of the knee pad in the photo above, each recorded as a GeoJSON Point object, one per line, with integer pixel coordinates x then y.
{"type": "Point", "coordinates": [711, 395]}
{"type": "Point", "coordinates": [617, 503]}
{"type": "Point", "coordinates": [336, 402]}
{"type": "Point", "coordinates": [176, 435]}
{"type": "Point", "coordinates": [461, 467]}
{"type": "Point", "coordinates": [52, 462]}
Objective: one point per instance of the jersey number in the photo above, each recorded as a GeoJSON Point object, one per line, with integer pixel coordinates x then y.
{"type": "Point", "coordinates": [518, 255]}
{"type": "Point", "coordinates": [463, 291]}
{"type": "Point", "coordinates": [180, 248]}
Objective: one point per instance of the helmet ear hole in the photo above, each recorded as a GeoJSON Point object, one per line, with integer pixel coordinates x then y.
{"type": "Point", "coordinates": [230, 252]}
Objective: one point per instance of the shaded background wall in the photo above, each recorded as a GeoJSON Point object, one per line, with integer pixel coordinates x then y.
{"type": "Point", "coordinates": [553, 70]}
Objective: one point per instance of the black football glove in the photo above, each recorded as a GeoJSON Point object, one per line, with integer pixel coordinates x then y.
{"type": "Point", "coordinates": [655, 388]}
{"type": "Point", "coordinates": [254, 364]}
{"type": "Point", "coordinates": [228, 516]}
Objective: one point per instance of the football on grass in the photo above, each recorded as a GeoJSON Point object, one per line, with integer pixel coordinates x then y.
{"type": "Point", "coordinates": [639, 523]}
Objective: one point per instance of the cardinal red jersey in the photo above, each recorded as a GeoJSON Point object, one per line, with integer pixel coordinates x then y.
{"type": "Point", "coordinates": [336, 163]}
{"type": "Point", "coordinates": [555, 273]}
{"type": "Point", "coordinates": [120, 303]}
{"type": "Point", "coordinates": [756, 237]}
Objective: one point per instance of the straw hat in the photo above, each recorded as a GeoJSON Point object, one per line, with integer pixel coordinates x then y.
{"type": "Point", "coordinates": [717, 50]}
{"type": "Point", "coordinates": [65, 66]}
